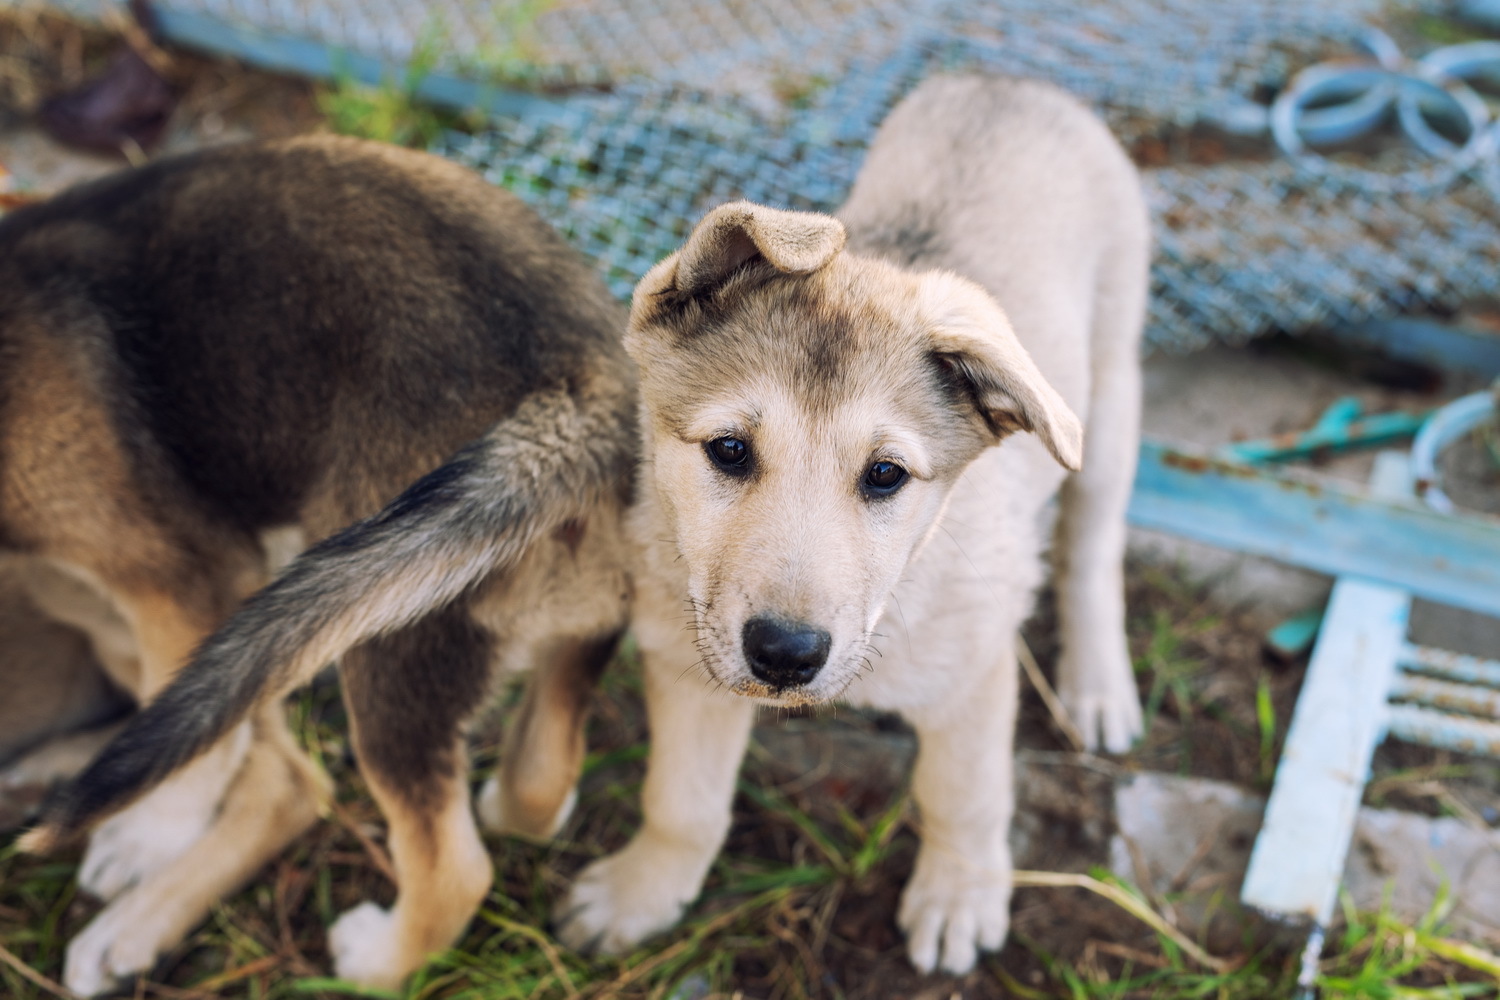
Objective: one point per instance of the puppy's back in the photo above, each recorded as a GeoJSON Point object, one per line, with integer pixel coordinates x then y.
{"type": "Point", "coordinates": [277, 317]}
{"type": "Point", "coordinates": [973, 171]}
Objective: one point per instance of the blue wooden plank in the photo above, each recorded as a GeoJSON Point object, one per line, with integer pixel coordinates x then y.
{"type": "Point", "coordinates": [1320, 524]}
{"type": "Point", "coordinates": [306, 57]}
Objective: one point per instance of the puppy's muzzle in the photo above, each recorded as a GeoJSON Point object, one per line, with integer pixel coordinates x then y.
{"type": "Point", "coordinates": [782, 653]}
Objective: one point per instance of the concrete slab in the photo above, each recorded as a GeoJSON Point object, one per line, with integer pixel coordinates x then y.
{"type": "Point", "coordinates": [1187, 842]}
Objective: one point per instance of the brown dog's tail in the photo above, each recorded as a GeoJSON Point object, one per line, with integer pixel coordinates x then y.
{"type": "Point", "coordinates": [555, 460]}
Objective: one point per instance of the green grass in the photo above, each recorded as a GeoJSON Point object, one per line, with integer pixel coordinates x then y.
{"type": "Point", "coordinates": [513, 59]}
{"type": "Point", "coordinates": [392, 112]}
{"type": "Point", "coordinates": [1173, 670]}
{"type": "Point", "coordinates": [265, 943]}
{"type": "Point", "coordinates": [801, 904]}
{"type": "Point", "coordinates": [1375, 957]}
{"type": "Point", "coordinates": [1445, 31]}
{"type": "Point", "coordinates": [1265, 718]}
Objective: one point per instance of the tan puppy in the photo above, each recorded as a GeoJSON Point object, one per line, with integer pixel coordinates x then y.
{"type": "Point", "coordinates": [822, 486]}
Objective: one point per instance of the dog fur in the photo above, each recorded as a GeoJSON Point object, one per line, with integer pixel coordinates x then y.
{"type": "Point", "coordinates": [801, 580]}
{"type": "Point", "coordinates": [213, 357]}
{"type": "Point", "coordinates": [824, 363]}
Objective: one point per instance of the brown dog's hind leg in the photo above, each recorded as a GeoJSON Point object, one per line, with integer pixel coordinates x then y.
{"type": "Point", "coordinates": [409, 696]}
{"type": "Point", "coordinates": [276, 794]}
{"type": "Point", "coordinates": [533, 791]}
{"type": "Point", "coordinates": [167, 622]}
{"type": "Point", "coordinates": [168, 858]}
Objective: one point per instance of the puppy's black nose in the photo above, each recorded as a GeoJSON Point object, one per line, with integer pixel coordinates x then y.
{"type": "Point", "coordinates": [782, 653]}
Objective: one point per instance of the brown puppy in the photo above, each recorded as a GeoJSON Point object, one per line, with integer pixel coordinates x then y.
{"type": "Point", "coordinates": [215, 356]}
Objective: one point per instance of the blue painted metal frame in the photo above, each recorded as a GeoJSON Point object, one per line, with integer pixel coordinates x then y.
{"type": "Point", "coordinates": [1343, 425]}
{"type": "Point", "coordinates": [1449, 700]}
{"type": "Point", "coordinates": [1320, 524]}
{"type": "Point", "coordinates": [1428, 341]}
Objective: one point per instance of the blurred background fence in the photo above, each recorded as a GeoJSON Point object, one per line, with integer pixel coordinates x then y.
{"type": "Point", "coordinates": [623, 120]}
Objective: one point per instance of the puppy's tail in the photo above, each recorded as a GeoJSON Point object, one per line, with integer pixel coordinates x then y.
{"type": "Point", "coordinates": [554, 461]}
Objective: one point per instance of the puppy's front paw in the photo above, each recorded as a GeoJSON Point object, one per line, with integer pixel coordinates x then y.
{"type": "Point", "coordinates": [952, 910]}
{"type": "Point", "coordinates": [366, 948]}
{"type": "Point", "coordinates": [623, 899]}
{"type": "Point", "coordinates": [1103, 703]}
{"type": "Point", "coordinates": [122, 942]}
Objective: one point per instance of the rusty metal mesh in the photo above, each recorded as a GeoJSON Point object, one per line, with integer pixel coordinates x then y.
{"type": "Point", "coordinates": [666, 107]}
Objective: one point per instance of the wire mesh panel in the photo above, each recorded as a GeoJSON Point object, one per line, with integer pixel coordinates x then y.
{"type": "Point", "coordinates": [666, 107]}
{"type": "Point", "coordinates": [1243, 247]}
{"type": "Point", "coordinates": [1169, 58]}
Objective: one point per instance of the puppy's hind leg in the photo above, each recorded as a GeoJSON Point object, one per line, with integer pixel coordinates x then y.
{"type": "Point", "coordinates": [1095, 678]}
{"type": "Point", "coordinates": [410, 694]}
{"type": "Point", "coordinates": [151, 833]}
{"type": "Point", "coordinates": [274, 797]}
{"type": "Point", "coordinates": [533, 792]}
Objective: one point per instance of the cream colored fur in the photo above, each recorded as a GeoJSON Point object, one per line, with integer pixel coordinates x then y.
{"type": "Point", "coordinates": [1023, 192]}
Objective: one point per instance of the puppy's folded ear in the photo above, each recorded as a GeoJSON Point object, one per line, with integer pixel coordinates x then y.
{"type": "Point", "coordinates": [973, 341]}
{"type": "Point", "coordinates": [734, 234]}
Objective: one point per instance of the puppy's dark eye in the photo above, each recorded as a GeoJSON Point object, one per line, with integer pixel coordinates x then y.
{"type": "Point", "coordinates": [730, 454]}
{"type": "Point", "coordinates": [884, 478]}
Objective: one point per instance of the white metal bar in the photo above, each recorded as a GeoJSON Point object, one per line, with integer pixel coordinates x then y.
{"type": "Point", "coordinates": [1429, 727]}
{"type": "Point", "coordinates": [1452, 666]}
{"type": "Point", "coordinates": [1298, 859]}
{"type": "Point", "coordinates": [1447, 696]}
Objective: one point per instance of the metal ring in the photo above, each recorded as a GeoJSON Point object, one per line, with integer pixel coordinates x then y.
{"type": "Point", "coordinates": [1464, 61]}
{"type": "Point", "coordinates": [1412, 111]}
{"type": "Point", "coordinates": [1318, 82]}
{"type": "Point", "coordinates": [1368, 105]}
{"type": "Point", "coordinates": [1448, 68]}
{"type": "Point", "coordinates": [1362, 111]}
{"type": "Point", "coordinates": [1443, 428]}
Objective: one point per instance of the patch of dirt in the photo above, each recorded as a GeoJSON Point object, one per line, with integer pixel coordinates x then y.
{"type": "Point", "coordinates": [43, 54]}
{"type": "Point", "coordinates": [805, 930]}
{"type": "Point", "coordinates": [1199, 146]}
{"type": "Point", "coordinates": [1199, 665]}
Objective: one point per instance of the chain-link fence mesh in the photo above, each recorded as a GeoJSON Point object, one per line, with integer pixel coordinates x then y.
{"type": "Point", "coordinates": [667, 107]}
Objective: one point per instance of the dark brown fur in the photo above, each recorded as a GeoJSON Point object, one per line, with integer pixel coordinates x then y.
{"type": "Point", "coordinates": [288, 334]}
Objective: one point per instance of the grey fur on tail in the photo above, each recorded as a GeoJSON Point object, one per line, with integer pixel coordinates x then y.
{"type": "Point", "coordinates": [555, 460]}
